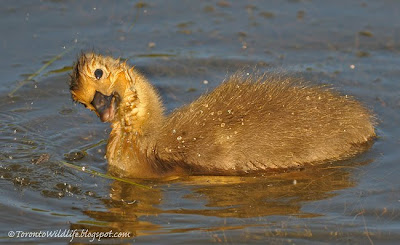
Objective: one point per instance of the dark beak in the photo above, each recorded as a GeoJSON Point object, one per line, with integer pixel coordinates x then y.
{"type": "Point", "coordinates": [106, 106]}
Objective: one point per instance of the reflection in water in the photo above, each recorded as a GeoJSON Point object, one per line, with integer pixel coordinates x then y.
{"type": "Point", "coordinates": [219, 196]}
{"type": "Point", "coordinates": [127, 203]}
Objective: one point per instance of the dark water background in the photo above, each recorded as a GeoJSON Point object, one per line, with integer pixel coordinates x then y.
{"type": "Point", "coordinates": [353, 45]}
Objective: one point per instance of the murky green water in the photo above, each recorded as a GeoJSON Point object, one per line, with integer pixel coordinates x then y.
{"type": "Point", "coordinates": [179, 45]}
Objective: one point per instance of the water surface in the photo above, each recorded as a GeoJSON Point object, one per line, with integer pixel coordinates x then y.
{"type": "Point", "coordinates": [179, 45]}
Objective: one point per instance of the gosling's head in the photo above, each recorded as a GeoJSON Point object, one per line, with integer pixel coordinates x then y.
{"type": "Point", "coordinates": [100, 83]}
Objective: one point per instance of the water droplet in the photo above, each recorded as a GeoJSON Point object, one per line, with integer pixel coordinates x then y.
{"type": "Point", "coordinates": [194, 139]}
{"type": "Point", "coordinates": [222, 125]}
{"type": "Point", "coordinates": [229, 111]}
{"type": "Point", "coordinates": [294, 182]}
{"type": "Point", "coordinates": [205, 82]}
{"type": "Point", "coordinates": [352, 66]}
{"type": "Point", "coordinates": [179, 138]}
{"type": "Point", "coordinates": [173, 131]}
{"type": "Point", "coordinates": [151, 44]}
{"type": "Point", "coordinates": [83, 168]}
{"type": "Point", "coordinates": [198, 154]}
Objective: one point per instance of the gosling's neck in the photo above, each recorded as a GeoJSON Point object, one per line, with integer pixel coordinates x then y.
{"type": "Point", "coordinates": [135, 128]}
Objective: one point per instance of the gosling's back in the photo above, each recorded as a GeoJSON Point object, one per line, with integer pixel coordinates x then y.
{"type": "Point", "coordinates": [257, 123]}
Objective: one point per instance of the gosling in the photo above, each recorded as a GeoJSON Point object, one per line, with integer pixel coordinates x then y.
{"type": "Point", "coordinates": [249, 124]}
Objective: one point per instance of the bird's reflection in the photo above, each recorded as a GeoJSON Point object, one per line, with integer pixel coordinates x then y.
{"type": "Point", "coordinates": [220, 196]}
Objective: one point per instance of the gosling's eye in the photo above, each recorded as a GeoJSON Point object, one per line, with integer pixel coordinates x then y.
{"type": "Point", "coordinates": [98, 73]}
